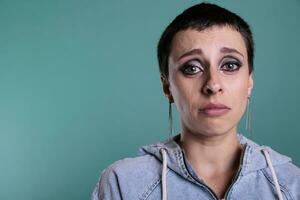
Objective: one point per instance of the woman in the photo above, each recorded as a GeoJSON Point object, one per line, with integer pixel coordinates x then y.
{"type": "Point", "coordinates": [206, 62]}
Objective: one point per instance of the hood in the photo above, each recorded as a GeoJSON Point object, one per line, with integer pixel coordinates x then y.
{"type": "Point", "coordinates": [253, 157]}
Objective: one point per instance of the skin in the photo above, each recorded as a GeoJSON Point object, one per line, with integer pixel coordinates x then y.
{"type": "Point", "coordinates": [209, 66]}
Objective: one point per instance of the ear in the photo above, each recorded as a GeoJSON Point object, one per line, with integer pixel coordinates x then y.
{"type": "Point", "coordinates": [166, 88]}
{"type": "Point", "coordinates": [250, 85]}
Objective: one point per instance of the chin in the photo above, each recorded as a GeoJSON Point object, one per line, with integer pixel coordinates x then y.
{"type": "Point", "coordinates": [215, 130]}
{"type": "Point", "coordinates": [209, 126]}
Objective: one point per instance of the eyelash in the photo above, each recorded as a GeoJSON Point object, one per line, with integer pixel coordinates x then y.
{"type": "Point", "coordinates": [237, 65]}
{"type": "Point", "coordinates": [189, 66]}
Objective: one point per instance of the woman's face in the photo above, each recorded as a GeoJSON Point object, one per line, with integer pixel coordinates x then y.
{"type": "Point", "coordinates": [209, 79]}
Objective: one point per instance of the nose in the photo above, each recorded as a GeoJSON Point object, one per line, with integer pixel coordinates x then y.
{"type": "Point", "coordinates": [212, 85]}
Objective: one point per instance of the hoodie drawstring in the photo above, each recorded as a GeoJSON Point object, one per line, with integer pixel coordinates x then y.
{"type": "Point", "coordinates": [164, 174]}
{"type": "Point", "coordinates": [268, 159]}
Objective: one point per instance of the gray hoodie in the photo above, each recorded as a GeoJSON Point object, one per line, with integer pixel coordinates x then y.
{"type": "Point", "coordinates": [163, 172]}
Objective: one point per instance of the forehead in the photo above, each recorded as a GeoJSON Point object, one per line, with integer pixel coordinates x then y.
{"type": "Point", "coordinates": [213, 38]}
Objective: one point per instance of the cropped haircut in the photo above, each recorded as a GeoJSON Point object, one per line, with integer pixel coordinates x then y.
{"type": "Point", "coordinates": [200, 17]}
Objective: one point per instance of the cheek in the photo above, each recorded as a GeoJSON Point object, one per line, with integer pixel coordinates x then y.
{"type": "Point", "coordinates": [183, 91]}
{"type": "Point", "coordinates": [238, 95]}
{"type": "Point", "coordinates": [241, 93]}
{"type": "Point", "coordinates": [238, 88]}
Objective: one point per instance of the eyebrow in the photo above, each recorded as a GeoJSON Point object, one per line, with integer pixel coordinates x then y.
{"type": "Point", "coordinates": [192, 52]}
{"type": "Point", "coordinates": [199, 52]}
{"type": "Point", "coordinates": [230, 50]}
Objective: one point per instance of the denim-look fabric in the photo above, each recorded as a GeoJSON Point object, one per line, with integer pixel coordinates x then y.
{"type": "Point", "coordinates": [139, 178]}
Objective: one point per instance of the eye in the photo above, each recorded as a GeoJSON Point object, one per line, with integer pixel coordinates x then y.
{"type": "Point", "coordinates": [231, 66]}
{"type": "Point", "coordinates": [191, 68]}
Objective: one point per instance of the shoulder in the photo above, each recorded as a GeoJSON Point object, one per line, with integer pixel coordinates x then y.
{"type": "Point", "coordinates": [287, 173]}
{"type": "Point", "coordinates": [132, 165]}
{"type": "Point", "coordinates": [130, 176]}
{"type": "Point", "coordinates": [288, 176]}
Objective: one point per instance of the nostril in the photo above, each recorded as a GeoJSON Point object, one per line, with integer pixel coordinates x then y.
{"type": "Point", "coordinates": [208, 89]}
{"type": "Point", "coordinates": [212, 89]}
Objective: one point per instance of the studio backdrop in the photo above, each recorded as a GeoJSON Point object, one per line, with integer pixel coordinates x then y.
{"type": "Point", "coordinates": [80, 87]}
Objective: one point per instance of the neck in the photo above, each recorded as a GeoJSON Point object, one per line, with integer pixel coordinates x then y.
{"type": "Point", "coordinates": [217, 153]}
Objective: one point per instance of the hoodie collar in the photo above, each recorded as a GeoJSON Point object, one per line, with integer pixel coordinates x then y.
{"type": "Point", "coordinates": [175, 156]}
{"type": "Point", "coordinates": [252, 161]}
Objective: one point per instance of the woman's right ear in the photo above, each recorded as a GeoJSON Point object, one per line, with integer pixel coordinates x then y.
{"type": "Point", "coordinates": [166, 88]}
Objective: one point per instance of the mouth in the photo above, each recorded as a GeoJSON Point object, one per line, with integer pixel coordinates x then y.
{"type": "Point", "coordinates": [214, 110]}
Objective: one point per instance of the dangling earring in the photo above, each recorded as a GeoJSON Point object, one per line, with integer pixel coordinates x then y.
{"type": "Point", "coordinates": [170, 120]}
{"type": "Point", "coordinates": [248, 117]}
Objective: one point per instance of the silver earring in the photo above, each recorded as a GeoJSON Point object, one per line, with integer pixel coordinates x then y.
{"type": "Point", "coordinates": [170, 120]}
{"type": "Point", "coordinates": [248, 117]}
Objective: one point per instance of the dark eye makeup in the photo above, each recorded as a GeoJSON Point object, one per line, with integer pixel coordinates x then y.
{"type": "Point", "coordinates": [191, 67]}
{"type": "Point", "coordinates": [228, 65]}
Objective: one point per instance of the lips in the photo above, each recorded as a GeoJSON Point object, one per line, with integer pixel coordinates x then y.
{"type": "Point", "coordinates": [214, 110]}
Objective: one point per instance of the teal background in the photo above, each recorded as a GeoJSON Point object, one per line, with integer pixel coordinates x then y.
{"type": "Point", "coordinates": [80, 87]}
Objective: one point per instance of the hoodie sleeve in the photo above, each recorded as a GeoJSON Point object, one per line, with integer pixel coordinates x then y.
{"type": "Point", "coordinates": [107, 187]}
